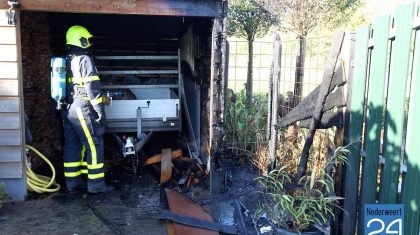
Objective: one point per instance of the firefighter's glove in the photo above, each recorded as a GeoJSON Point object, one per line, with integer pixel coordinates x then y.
{"type": "Point", "coordinates": [107, 100]}
{"type": "Point", "coordinates": [100, 111]}
{"type": "Point", "coordinates": [101, 118]}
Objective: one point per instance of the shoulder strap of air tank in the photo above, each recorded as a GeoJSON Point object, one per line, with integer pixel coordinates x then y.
{"type": "Point", "coordinates": [69, 58]}
{"type": "Point", "coordinates": [69, 75]}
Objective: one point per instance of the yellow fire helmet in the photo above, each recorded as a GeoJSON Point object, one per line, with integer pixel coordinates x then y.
{"type": "Point", "coordinates": [78, 36]}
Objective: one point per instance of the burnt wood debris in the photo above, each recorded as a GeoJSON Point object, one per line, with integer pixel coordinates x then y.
{"type": "Point", "coordinates": [322, 109]}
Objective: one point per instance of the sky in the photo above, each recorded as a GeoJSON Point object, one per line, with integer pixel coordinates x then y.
{"type": "Point", "coordinates": [374, 8]}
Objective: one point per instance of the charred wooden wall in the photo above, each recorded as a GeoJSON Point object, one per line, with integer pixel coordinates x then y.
{"type": "Point", "coordinates": [218, 84]}
{"type": "Point", "coordinates": [196, 53]}
{"type": "Point", "coordinates": [202, 8]}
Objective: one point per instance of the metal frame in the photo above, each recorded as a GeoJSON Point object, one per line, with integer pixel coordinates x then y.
{"type": "Point", "coordinates": [145, 57]}
{"type": "Point", "coordinates": [138, 72]}
{"type": "Point", "coordinates": [139, 123]}
{"type": "Point", "coordinates": [138, 86]}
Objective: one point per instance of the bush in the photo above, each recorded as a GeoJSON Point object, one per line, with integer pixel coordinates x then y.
{"type": "Point", "coordinates": [289, 149]}
{"type": "Point", "coordinates": [260, 158]}
{"type": "Point", "coordinates": [242, 125]}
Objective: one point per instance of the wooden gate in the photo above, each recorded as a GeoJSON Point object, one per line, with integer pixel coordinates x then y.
{"type": "Point", "coordinates": [385, 104]}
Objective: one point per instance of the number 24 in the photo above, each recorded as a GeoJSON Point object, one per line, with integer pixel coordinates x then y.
{"type": "Point", "coordinates": [399, 232]}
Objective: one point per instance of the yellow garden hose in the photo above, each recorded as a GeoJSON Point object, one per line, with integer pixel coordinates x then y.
{"type": "Point", "coordinates": [40, 183]}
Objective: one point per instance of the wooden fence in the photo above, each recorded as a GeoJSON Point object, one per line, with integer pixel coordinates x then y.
{"type": "Point", "coordinates": [385, 104]}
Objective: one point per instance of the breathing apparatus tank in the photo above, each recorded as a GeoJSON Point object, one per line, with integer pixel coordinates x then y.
{"type": "Point", "coordinates": [58, 80]}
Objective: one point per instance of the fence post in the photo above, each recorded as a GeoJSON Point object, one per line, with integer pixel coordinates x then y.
{"type": "Point", "coordinates": [300, 70]}
{"type": "Point", "coordinates": [355, 112]}
{"type": "Point", "coordinates": [270, 102]}
{"type": "Point", "coordinates": [411, 188]}
{"type": "Point", "coordinates": [226, 82]}
{"type": "Point", "coordinates": [274, 112]}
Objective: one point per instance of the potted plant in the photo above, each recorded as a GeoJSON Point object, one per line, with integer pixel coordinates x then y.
{"type": "Point", "coordinates": [299, 206]}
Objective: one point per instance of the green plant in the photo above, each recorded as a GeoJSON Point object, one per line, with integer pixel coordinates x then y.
{"type": "Point", "coordinates": [311, 201]}
{"type": "Point", "coordinates": [243, 124]}
{"type": "Point", "coordinates": [3, 195]}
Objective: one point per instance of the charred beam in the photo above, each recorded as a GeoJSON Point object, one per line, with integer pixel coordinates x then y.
{"type": "Point", "coordinates": [203, 8]}
{"type": "Point", "coordinates": [217, 83]}
{"type": "Point", "coordinates": [323, 92]}
{"type": "Point", "coordinates": [328, 120]}
{"type": "Point", "coordinates": [306, 108]}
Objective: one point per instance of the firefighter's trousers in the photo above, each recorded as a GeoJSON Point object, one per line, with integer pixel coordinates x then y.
{"type": "Point", "coordinates": [83, 147]}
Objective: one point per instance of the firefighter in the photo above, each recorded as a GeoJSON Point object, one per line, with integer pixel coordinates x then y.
{"type": "Point", "coordinates": [84, 117]}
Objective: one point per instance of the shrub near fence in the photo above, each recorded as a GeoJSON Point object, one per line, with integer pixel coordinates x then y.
{"type": "Point", "coordinates": [385, 66]}
{"type": "Point", "coordinates": [242, 127]}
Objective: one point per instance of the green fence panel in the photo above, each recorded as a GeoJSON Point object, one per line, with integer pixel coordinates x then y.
{"type": "Point", "coordinates": [411, 182]}
{"type": "Point", "coordinates": [374, 113]}
{"type": "Point", "coordinates": [394, 122]}
{"type": "Point", "coordinates": [355, 132]}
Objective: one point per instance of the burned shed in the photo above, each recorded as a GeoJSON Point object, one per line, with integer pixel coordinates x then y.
{"type": "Point", "coordinates": [162, 62]}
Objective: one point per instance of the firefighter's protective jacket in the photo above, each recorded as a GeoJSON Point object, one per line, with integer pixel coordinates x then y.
{"type": "Point", "coordinates": [84, 80]}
